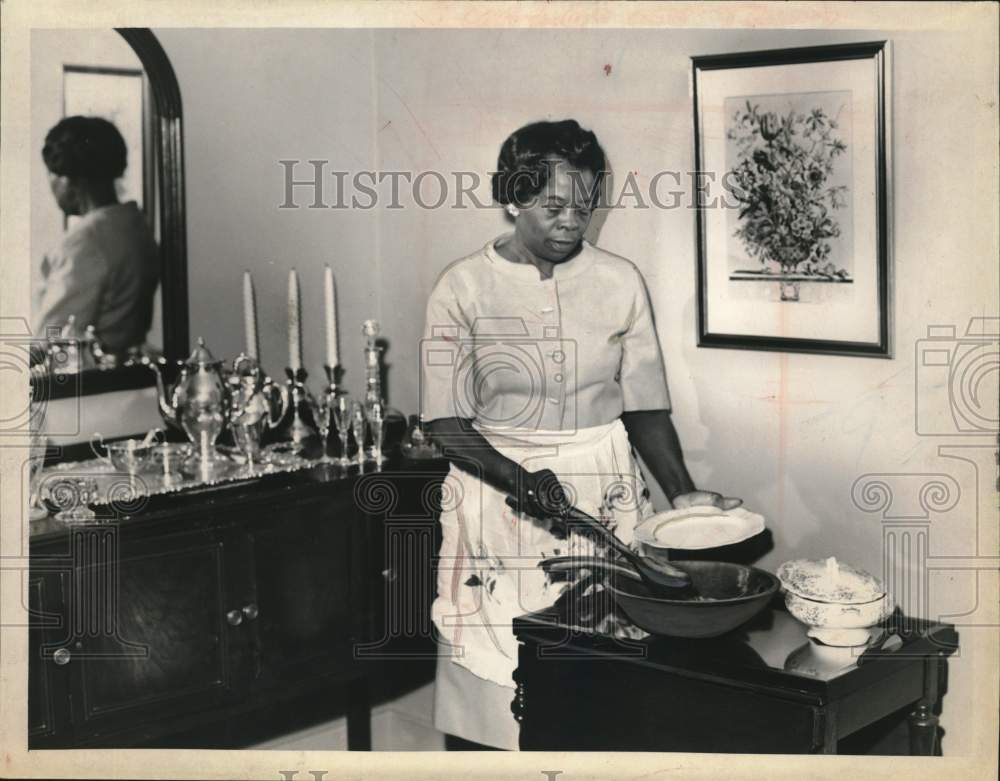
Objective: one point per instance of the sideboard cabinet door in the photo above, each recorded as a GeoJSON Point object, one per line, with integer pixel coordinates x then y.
{"type": "Point", "coordinates": [48, 660]}
{"type": "Point", "coordinates": [153, 628]}
{"type": "Point", "coordinates": [308, 598]}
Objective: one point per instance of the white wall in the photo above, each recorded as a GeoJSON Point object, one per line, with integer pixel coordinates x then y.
{"type": "Point", "coordinates": [252, 98]}
{"type": "Point", "coordinates": [789, 433]}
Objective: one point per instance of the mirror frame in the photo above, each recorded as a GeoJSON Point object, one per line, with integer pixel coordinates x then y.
{"type": "Point", "coordinates": [168, 141]}
{"type": "Point", "coordinates": [168, 145]}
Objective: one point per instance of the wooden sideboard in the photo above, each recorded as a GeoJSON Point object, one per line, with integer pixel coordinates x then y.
{"type": "Point", "coordinates": [251, 603]}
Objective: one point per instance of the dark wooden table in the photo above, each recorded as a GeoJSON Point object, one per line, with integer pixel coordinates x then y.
{"type": "Point", "coordinates": [764, 688]}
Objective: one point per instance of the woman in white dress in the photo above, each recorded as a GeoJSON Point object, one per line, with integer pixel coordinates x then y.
{"type": "Point", "coordinates": [105, 270]}
{"type": "Point", "coordinates": [541, 371]}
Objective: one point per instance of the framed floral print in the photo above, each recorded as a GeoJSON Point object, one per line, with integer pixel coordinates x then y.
{"type": "Point", "coordinates": [793, 245]}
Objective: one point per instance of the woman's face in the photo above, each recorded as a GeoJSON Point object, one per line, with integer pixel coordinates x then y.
{"type": "Point", "coordinates": [64, 193]}
{"type": "Point", "coordinates": [552, 225]}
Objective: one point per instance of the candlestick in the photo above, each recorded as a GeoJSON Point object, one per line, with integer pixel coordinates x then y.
{"type": "Point", "coordinates": [330, 301]}
{"type": "Point", "coordinates": [250, 318]}
{"type": "Point", "coordinates": [297, 424]}
{"type": "Point", "coordinates": [294, 323]}
{"type": "Point", "coordinates": [334, 377]}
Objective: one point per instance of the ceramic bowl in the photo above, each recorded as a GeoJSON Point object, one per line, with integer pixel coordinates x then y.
{"type": "Point", "coordinates": [730, 595]}
{"type": "Point", "coordinates": [827, 616]}
{"type": "Point", "coordinates": [829, 580]}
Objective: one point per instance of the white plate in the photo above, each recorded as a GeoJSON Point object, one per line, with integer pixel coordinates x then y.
{"type": "Point", "coordinates": [696, 528]}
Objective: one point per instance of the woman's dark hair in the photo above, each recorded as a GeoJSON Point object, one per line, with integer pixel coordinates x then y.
{"type": "Point", "coordinates": [85, 148]}
{"type": "Point", "coordinates": [527, 156]}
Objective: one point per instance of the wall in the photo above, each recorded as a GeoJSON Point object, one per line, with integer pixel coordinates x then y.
{"type": "Point", "coordinates": [239, 88]}
{"type": "Point", "coordinates": [791, 434]}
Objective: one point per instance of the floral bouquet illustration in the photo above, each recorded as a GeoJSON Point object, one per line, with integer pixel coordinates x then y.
{"type": "Point", "coordinates": [784, 180]}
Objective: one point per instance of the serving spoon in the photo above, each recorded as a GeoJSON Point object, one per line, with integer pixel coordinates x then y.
{"type": "Point", "coordinates": [659, 578]}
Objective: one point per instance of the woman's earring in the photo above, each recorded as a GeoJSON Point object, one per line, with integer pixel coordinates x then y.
{"type": "Point", "coordinates": [512, 210]}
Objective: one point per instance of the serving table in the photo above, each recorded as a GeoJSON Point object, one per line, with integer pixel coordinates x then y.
{"type": "Point", "coordinates": [222, 616]}
{"type": "Point", "coordinates": [763, 688]}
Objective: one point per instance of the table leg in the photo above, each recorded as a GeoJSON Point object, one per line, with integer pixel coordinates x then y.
{"type": "Point", "coordinates": [359, 716]}
{"type": "Point", "coordinates": [923, 730]}
{"type": "Point", "coordinates": [829, 726]}
{"type": "Point", "coordinates": [923, 722]}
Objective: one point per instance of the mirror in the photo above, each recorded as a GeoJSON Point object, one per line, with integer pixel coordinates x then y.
{"type": "Point", "coordinates": [122, 76]}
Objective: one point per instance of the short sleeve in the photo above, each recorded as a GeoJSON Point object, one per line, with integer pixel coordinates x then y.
{"type": "Point", "coordinates": [642, 377]}
{"type": "Point", "coordinates": [72, 286]}
{"type": "Point", "coordinates": [444, 349]}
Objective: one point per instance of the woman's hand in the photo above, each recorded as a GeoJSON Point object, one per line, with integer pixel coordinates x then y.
{"type": "Point", "coordinates": [541, 495]}
{"type": "Point", "coordinates": [705, 498]}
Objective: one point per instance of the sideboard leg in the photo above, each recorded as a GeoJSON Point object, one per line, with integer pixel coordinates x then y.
{"type": "Point", "coordinates": [359, 716]}
{"type": "Point", "coordinates": [923, 730]}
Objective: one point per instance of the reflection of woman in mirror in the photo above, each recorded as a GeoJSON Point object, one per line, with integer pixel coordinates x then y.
{"type": "Point", "coordinates": [105, 269]}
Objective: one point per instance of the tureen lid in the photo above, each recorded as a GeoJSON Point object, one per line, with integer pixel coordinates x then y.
{"type": "Point", "coordinates": [201, 355]}
{"type": "Point", "coordinates": [829, 580]}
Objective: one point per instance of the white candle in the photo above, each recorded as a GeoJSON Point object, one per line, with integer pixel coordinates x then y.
{"type": "Point", "coordinates": [294, 323]}
{"type": "Point", "coordinates": [330, 301]}
{"type": "Point", "coordinates": [252, 346]}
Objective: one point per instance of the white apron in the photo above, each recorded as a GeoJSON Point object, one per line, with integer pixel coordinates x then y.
{"type": "Point", "coordinates": [488, 573]}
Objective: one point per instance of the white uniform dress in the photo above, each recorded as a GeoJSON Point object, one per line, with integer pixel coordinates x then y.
{"type": "Point", "coordinates": [544, 369]}
{"type": "Point", "coordinates": [104, 272]}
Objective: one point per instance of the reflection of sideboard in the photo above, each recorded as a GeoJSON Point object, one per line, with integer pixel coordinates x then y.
{"type": "Point", "coordinates": [244, 603]}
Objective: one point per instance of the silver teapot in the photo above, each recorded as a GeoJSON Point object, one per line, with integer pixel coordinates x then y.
{"type": "Point", "coordinates": [252, 396]}
{"type": "Point", "coordinates": [196, 403]}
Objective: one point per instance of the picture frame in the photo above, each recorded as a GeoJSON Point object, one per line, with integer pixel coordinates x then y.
{"type": "Point", "coordinates": [120, 95]}
{"type": "Point", "coordinates": [793, 211]}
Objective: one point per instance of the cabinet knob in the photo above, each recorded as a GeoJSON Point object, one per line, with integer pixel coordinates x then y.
{"type": "Point", "coordinates": [251, 611]}
{"type": "Point", "coordinates": [234, 617]}
{"type": "Point", "coordinates": [62, 656]}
